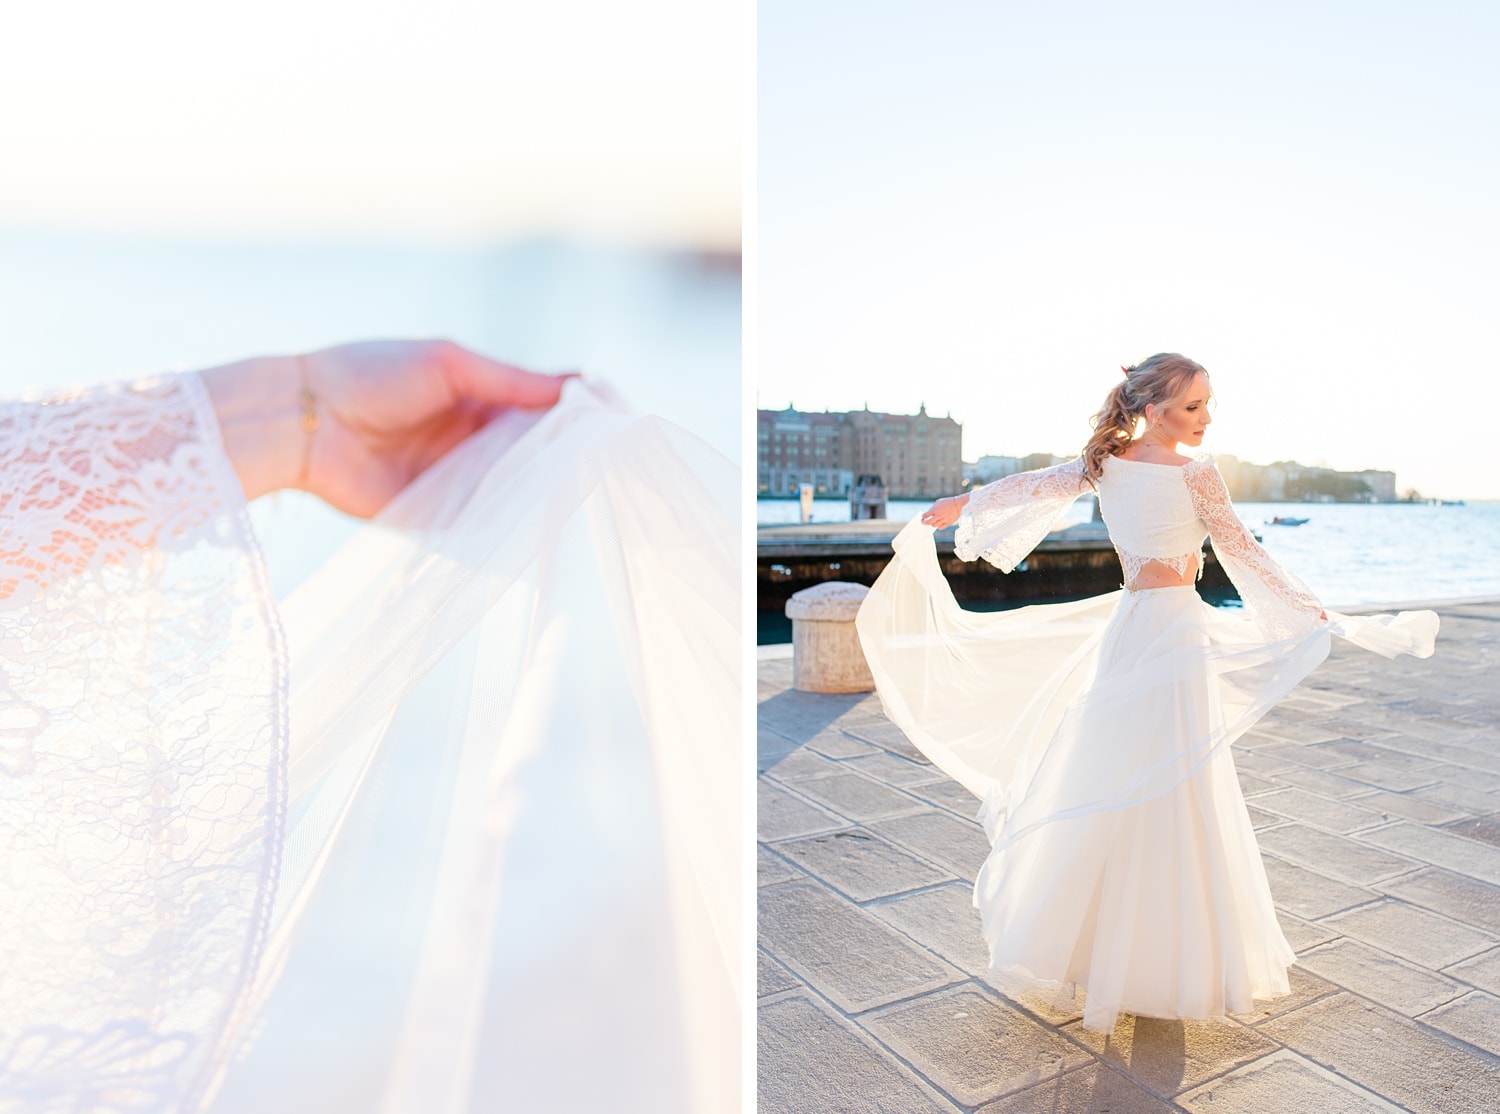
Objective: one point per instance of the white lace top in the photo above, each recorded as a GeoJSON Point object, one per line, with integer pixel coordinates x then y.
{"type": "Point", "coordinates": [1155, 513]}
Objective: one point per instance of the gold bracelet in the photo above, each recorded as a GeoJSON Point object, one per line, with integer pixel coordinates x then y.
{"type": "Point", "coordinates": [309, 420]}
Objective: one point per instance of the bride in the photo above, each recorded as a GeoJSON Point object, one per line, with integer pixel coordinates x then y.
{"type": "Point", "coordinates": [1097, 733]}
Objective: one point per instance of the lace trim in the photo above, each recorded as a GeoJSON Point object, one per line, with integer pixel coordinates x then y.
{"type": "Point", "coordinates": [1132, 564]}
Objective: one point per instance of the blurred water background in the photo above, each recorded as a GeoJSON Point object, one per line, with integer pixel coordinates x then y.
{"type": "Point", "coordinates": [662, 326]}
{"type": "Point", "coordinates": [1348, 553]}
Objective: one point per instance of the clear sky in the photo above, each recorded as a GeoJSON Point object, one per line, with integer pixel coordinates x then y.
{"type": "Point", "coordinates": [454, 120]}
{"type": "Point", "coordinates": [988, 207]}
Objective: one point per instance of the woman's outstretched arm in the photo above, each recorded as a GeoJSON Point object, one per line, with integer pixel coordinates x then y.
{"type": "Point", "coordinates": [356, 423]}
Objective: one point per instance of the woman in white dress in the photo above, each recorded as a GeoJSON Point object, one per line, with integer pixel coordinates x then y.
{"type": "Point", "coordinates": [1096, 733]}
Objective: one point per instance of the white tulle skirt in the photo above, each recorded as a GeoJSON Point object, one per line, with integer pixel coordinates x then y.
{"type": "Point", "coordinates": [1097, 736]}
{"type": "Point", "coordinates": [1159, 907]}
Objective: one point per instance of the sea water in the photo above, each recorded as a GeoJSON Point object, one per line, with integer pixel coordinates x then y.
{"type": "Point", "coordinates": [1347, 553]}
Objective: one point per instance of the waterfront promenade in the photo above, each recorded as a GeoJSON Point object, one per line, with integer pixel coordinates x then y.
{"type": "Point", "coordinates": [1375, 793]}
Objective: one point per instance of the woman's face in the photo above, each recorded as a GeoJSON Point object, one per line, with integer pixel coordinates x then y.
{"type": "Point", "coordinates": [1185, 418]}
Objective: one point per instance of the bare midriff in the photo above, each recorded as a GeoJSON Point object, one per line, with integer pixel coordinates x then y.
{"type": "Point", "coordinates": [1154, 574]}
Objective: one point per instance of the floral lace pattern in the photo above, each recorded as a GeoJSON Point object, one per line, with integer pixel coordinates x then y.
{"type": "Point", "coordinates": [142, 742]}
{"type": "Point", "coordinates": [1005, 520]}
{"type": "Point", "coordinates": [1281, 604]}
{"type": "Point", "coordinates": [1133, 563]}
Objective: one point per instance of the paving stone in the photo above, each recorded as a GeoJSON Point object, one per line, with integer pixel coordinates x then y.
{"type": "Point", "coordinates": [1410, 932]}
{"type": "Point", "coordinates": [1404, 987]}
{"type": "Point", "coordinates": [1357, 751]}
{"type": "Point", "coordinates": [950, 795]}
{"type": "Point", "coordinates": [1342, 858]}
{"type": "Point", "coordinates": [1304, 987]}
{"type": "Point", "coordinates": [1259, 818]}
{"type": "Point", "coordinates": [771, 868]}
{"type": "Point", "coordinates": [1474, 753]}
{"type": "Point", "coordinates": [802, 765]}
{"type": "Point", "coordinates": [1169, 1057]}
{"type": "Point", "coordinates": [1485, 829]}
{"type": "Point", "coordinates": [958, 845]}
{"type": "Point", "coordinates": [1454, 895]}
{"type": "Point", "coordinates": [1384, 776]}
{"type": "Point", "coordinates": [839, 744]}
{"type": "Point", "coordinates": [1283, 1081]}
{"type": "Point", "coordinates": [1400, 805]}
{"type": "Point", "coordinates": [1482, 970]}
{"type": "Point", "coordinates": [1389, 1055]}
{"type": "Point", "coordinates": [892, 770]}
{"type": "Point", "coordinates": [1316, 757]}
{"type": "Point", "coordinates": [779, 815]}
{"type": "Point", "coordinates": [1093, 1089]}
{"type": "Point", "coordinates": [1056, 1006]}
{"type": "Point", "coordinates": [1302, 934]}
{"type": "Point", "coordinates": [1474, 1018]}
{"type": "Point", "coordinates": [1466, 856]}
{"type": "Point", "coordinates": [1330, 815]}
{"type": "Point", "coordinates": [1257, 762]}
{"type": "Point", "coordinates": [1250, 785]}
{"type": "Point", "coordinates": [1473, 801]}
{"type": "Point", "coordinates": [1308, 893]}
{"type": "Point", "coordinates": [860, 864]}
{"type": "Point", "coordinates": [1254, 740]}
{"type": "Point", "coordinates": [1281, 726]}
{"type": "Point", "coordinates": [1323, 783]}
{"type": "Point", "coordinates": [801, 715]}
{"type": "Point", "coordinates": [944, 921]}
{"type": "Point", "coordinates": [1457, 774]}
{"type": "Point", "coordinates": [771, 747]}
{"type": "Point", "coordinates": [887, 736]}
{"type": "Point", "coordinates": [839, 950]}
{"type": "Point", "coordinates": [973, 1047]}
{"type": "Point", "coordinates": [771, 977]}
{"type": "Point", "coordinates": [811, 1060]}
{"type": "Point", "coordinates": [857, 797]}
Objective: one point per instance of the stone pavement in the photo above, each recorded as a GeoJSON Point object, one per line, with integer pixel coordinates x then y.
{"type": "Point", "coordinates": [1375, 792]}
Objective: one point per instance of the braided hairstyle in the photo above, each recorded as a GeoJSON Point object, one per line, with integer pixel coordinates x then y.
{"type": "Point", "coordinates": [1156, 381]}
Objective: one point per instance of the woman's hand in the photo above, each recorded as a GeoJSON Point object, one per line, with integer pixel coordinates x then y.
{"type": "Point", "coordinates": [944, 512]}
{"type": "Point", "coordinates": [385, 412]}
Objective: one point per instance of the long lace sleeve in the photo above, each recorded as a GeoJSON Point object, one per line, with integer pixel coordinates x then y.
{"type": "Point", "coordinates": [1005, 520]}
{"type": "Point", "coordinates": [142, 729]}
{"type": "Point", "coordinates": [1281, 605]}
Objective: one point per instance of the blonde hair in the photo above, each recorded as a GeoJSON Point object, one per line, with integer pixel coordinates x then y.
{"type": "Point", "coordinates": [1154, 381]}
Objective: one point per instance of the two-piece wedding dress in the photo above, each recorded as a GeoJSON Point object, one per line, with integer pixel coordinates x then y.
{"type": "Point", "coordinates": [1096, 734]}
{"type": "Point", "coordinates": [454, 828]}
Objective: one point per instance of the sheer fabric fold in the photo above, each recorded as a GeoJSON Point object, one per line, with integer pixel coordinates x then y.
{"type": "Point", "coordinates": [499, 839]}
{"type": "Point", "coordinates": [514, 806]}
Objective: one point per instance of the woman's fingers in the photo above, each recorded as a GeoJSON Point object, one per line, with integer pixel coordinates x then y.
{"type": "Point", "coordinates": [479, 379]}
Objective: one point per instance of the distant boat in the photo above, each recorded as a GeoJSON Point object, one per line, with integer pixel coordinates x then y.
{"type": "Point", "coordinates": [1281, 520]}
{"type": "Point", "coordinates": [1452, 503]}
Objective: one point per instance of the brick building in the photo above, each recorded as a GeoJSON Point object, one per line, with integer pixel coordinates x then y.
{"type": "Point", "coordinates": [918, 456]}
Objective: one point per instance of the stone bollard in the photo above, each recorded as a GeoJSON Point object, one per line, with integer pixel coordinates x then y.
{"type": "Point", "coordinates": [826, 656]}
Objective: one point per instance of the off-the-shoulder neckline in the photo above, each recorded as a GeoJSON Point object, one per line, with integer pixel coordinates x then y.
{"type": "Point", "coordinates": [1157, 464]}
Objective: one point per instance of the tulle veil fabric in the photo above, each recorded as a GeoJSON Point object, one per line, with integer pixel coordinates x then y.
{"type": "Point", "coordinates": [492, 865]}
{"type": "Point", "coordinates": [1095, 735]}
{"type": "Point", "coordinates": [511, 865]}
